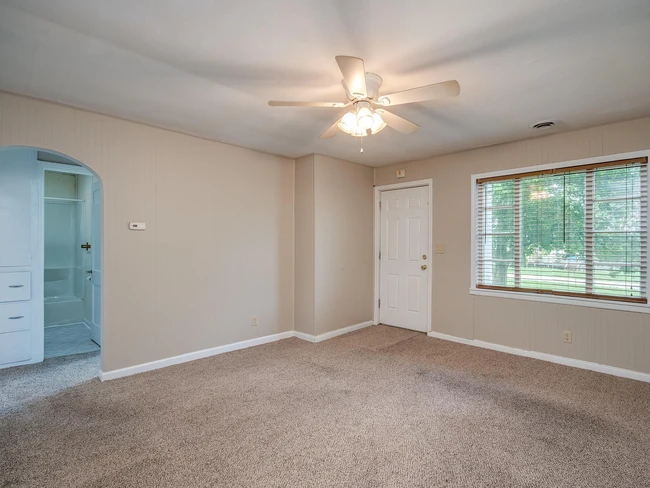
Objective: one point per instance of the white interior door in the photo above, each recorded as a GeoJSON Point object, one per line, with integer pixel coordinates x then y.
{"type": "Point", "coordinates": [405, 258]}
{"type": "Point", "coordinates": [96, 258]}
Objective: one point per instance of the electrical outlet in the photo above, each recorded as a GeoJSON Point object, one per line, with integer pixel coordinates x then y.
{"type": "Point", "coordinates": [566, 335]}
{"type": "Point", "coordinates": [254, 320]}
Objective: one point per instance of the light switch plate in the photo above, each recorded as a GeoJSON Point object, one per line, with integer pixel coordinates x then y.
{"type": "Point", "coordinates": [440, 249]}
{"type": "Point", "coordinates": [401, 173]}
{"type": "Point", "coordinates": [137, 225]}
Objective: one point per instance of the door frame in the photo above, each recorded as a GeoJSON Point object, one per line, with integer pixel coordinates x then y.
{"type": "Point", "coordinates": [377, 241]}
{"type": "Point", "coordinates": [74, 170]}
{"type": "Point", "coordinates": [100, 255]}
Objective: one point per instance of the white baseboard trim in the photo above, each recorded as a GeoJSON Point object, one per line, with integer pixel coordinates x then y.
{"type": "Point", "coordinates": [576, 363]}
{"type": "Point", "coordinates": [334, 333]}
{"type": "Point", "coordinates": [191, 356]}
{"type": "Point", "coordinates": [344, 330]}
{"type": "Point", "coordinates": [304, 337]}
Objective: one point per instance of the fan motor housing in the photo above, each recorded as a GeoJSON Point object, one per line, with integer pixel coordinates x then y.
{"type": "Point", "coordinates": [373, 83]}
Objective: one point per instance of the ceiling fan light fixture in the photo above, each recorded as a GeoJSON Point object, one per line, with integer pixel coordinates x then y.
{"type": "Point", "coordinates": [348, 124]}
{"type": "Point", "coordinates": [351, 123]}
{"type": "Point", "coordinates": [364, 115]}
{"type": "Point", "coordinates": [362, 91]}
{"type": "Point", "coordinates": [365, 121]}
{"type": "Point", "coordinates": [378, 123]}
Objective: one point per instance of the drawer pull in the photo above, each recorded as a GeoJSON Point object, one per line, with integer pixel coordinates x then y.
{"type": "Point", "coordinates": [16, 317]}
{"type": "Point", "coordinates": [16, 286]}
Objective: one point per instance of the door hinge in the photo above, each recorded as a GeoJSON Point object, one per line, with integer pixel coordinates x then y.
{"type": "Point", "coordinates": [379, 254]}
{"type": "Point", "coordinates": [379, 303]}
{"type": "Point", "coordinates": [380, 205]}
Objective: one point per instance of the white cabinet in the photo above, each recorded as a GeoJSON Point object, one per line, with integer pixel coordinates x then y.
{"type": "Point", "coordinates": [15, 287]}
{"type": "Point", "coordinates": [16, 184]}
{"type": "Point", "coordinates": [15, 346]}
{"type": "Point", "coordinates": [21, 274]}
{"type": "Point", "coordinates": [15, 317]}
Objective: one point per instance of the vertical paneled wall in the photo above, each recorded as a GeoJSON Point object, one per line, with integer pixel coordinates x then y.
{"type": "Point", "coordinates": [334, 265]}
{"type": "Point", "coordinates": [218, 247]}
{"type": "Point", "coordinates": [304, 246]}
{"type": "Point", "coordinates": [615, 338]}
{"type": "Point", "coordinates": [343, 243]}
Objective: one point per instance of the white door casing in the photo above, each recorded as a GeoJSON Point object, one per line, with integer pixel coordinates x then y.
{"type": "Point", "coordinates": [405, 258]}
{"type": "Point", "coordinates": [96, 266]}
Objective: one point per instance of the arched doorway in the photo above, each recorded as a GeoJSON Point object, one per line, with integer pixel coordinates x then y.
{"type": "Point", "coordinates": [51, 256]}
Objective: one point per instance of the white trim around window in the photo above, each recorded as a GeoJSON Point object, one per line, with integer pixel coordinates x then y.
{"type": "Point", "coordinates": [532, 296]}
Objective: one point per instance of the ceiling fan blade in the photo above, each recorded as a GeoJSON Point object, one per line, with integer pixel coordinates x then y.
{"type": "Point", "coordinates": [354, 74]}
{"type": "Point", "coordinates": [398, 123]}
{"type": "Point", "coordinates": [274, 103]}
{"type": "Point", "coordinates": [445, 89]}
{"type": "Point", "coordinates": [332, 131]}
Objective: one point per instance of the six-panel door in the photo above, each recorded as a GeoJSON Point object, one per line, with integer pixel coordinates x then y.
{"type": "Point", "coordinates": [403, 276]}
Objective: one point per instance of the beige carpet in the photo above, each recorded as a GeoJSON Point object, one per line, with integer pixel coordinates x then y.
{"type": "Point", "coordinates": [23, 385]}
{"type": "Point", "coordinates": [379, 407]}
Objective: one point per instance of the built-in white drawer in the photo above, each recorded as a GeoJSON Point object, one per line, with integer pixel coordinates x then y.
{"type": "Point", "coordinates": [15, 287]}
{"type": "Point", "coordinates": [14, 317]}
{"type": "Point", "coordinates": [15, 346]}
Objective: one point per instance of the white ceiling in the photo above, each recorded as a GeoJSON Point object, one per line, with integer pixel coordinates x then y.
{"type": "Point", "coordinates": [208, 67]}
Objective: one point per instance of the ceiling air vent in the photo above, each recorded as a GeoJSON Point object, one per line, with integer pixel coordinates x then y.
{"type": "Point", "coordinates": [542, 125]}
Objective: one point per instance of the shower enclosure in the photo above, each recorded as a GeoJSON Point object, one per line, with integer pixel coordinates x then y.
{"type": "Point", "coordinates": [68, 255]}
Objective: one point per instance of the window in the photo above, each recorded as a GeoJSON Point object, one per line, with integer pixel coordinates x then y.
{"type": "Point", "coordinates": [577, 231]}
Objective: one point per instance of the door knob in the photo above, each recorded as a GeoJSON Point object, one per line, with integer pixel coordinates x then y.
{"type": "Point", "coordinates": [424, 266]}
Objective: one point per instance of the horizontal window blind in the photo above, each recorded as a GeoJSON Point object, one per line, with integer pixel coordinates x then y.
{"type": "Point", "coordinates": [577, 231]}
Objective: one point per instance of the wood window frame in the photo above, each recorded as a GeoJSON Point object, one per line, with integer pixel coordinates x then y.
{"type": "Point", "coordinates": [638, 304]}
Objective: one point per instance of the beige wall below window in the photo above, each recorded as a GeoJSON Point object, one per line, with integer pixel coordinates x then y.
{"type": "Point", "coordinates": [614, 338]}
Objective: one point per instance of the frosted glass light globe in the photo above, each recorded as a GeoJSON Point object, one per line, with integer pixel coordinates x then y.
{"type": "Point", "coordinates": [364, 118]}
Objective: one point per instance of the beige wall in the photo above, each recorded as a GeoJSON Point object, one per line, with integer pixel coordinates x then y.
{"type": "Point", "coordinates": [219, 243]}
{"type": "Point", "coordinates": [219, 246]}
{"type": "Point", "coordinates": [343, 243]}
{"type": "Point", "coordinates": [609, 337]}
{"type": "Point", "coordinates": [304, 247]}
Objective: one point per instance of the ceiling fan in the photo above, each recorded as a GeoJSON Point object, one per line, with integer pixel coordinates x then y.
{"type": "Point", "coordinates": [368, 115]}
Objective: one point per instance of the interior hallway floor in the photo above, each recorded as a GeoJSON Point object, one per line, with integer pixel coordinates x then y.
{"type": "Point", "coordinates": [63, 340]}
{"type": "Point", "coordinates": [378, 407]}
